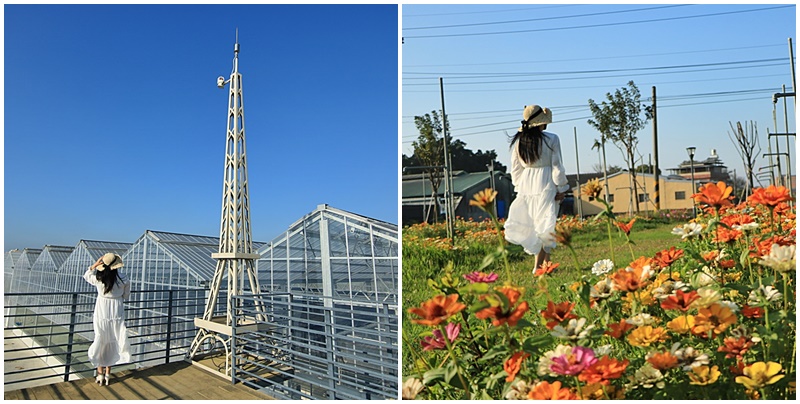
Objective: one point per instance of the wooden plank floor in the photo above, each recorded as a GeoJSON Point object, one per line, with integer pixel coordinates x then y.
{"type": "Point", "coordinates": [174, 381]}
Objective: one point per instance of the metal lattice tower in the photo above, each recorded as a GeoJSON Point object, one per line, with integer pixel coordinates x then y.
{"type": "Point", "coordinates": [235, 259]}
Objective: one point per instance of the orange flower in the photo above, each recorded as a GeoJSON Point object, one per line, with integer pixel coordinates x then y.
{"type": "Point", "coordinates": [547, 391]}
{"type": "Point", "coordinates": [717, 195]}
{"type": "Point", "coordinates": [592, 188]}
{"type": "Point", "coordinates": [770, 196]}
{"type": "Point", "coordinates": [679, 301]}
{"type": "Point", "coordinates": [646, 335]}
{"type": "Point", "coordinates": [727, 264]}
{"type": "Point", "coordinates": [557, 313]}
{"type": "Point", "coordinates": [752, 312]}
{"type": "Point", "coordinates": [617, 330]}
{"type": "Point", "coordinates": [665, 258]}
{"type": "Point", "coordinates": [483, 198]}
{"type": "Point", "coordinates": [626, 228]}
{"type": "Point", "coordinates": [735, 347]}
{"type": "Point", "coordinates": [631, 279]}
{"type": "Point", "coordinates": [514, 364]}
{"type": "Point", "coordinates": [546, 268]}
{"type": "Point", "coordinates": [682, 324]}
{"type": "Point", "coordinates": [725, 235]}
{"type": "Point", "coordinates": [502, 316]}
{"type": "Point", "coordinates": [662, 360]}
{"type": "Point", "coordinates": [563, 234]}
{"type": "Point", "coordinates": [437, 309]}
{"type": "Point", "coordinates": [603, 371]}
{"type": "Point", "coordinates": [715, 318]}
{"type": "Point", "coordinates": [641, 263]}
{"type": "Point", "coordinates": [711, 255]}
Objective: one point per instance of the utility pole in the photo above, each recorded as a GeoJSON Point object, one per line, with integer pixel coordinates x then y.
{"type": "Point", "coordinates": [577, 198]}
{"type": "Point", "coordinates": [656, 187]}
{"type": "Point", "coordinates": [448, 172]}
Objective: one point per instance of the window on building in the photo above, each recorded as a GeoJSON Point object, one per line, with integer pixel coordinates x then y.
{"type": "Point", "coordinates": [643, 198]}
{"type": "Point", "coordinates": [610, 198]}
{"type": "Point", "coordinates": [680, 195]}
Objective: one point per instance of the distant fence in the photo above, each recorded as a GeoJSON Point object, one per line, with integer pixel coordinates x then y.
{"type": "Point", "coordinates": [312, 347]}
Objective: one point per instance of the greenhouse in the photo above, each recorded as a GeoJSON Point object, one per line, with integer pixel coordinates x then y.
{"type": "Point", "coordinates": [8, 268]}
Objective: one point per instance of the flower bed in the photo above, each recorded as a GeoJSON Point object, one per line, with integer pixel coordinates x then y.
{"type": "Point", "coordinates": [712, 318]}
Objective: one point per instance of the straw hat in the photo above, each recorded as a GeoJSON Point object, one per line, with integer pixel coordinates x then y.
{"type": "Point", "coordinates": [111, 260]}
{"type": "Point", "coordinates": [535, 115]}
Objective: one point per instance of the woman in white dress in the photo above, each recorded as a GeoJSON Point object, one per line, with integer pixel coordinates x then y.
{"type": "Point", "coordinates": [110, 346]}
{"type": "Point", "coordinates": [540, 182]}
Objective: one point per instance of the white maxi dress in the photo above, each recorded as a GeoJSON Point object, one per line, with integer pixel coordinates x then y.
{"type": "Point", "coordinates": [532, 216]}
{"type": "Point", "coordinates": [111, 346]}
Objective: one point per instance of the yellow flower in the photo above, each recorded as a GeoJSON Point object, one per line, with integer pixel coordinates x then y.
{"type": "Point", "coordinates": [483, 198]}
{"type": "Point", "coordinates": [646, 335]}
{"type": "Point", "coordinates": [702, 375]}
{"type": "Point", "coordinates": [682, 324]}
{"type": "Point", "coordinates": [760, 374]}
{"type": "Point", "coordinates": [592, 188]}
{"type": "Point", "coordinates": [715, 318]}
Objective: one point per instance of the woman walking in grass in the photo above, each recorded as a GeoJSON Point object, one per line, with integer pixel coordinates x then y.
{"type": "Point", "coordinates": [111, 345]}
{"type": "Point", "coordinates": [540, 182]}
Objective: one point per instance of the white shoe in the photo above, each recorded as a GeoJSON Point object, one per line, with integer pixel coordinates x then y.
{"type": "Point", "coordinates": [99, 379]}
{"type": "Point", "coordinates": [108, 377]}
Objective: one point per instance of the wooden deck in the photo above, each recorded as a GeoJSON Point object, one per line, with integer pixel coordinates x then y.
{"type": "Point", "coordinates": [174, 381]}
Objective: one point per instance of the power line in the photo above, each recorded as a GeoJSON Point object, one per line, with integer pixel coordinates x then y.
{"type": "Point", "coordinates": [489, 11]}
{"type": "Point", "coordinates": [597, 25]}
{"type": "Point", "coordinates": [544, 18]}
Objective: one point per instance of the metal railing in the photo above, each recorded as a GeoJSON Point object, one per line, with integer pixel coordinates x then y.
{"type": "Point", "coordinates": [56, 330]}
{"type": "Point", "coordinates": [313, 347]}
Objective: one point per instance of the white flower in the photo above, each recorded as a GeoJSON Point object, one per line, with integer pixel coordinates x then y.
{"type": "Point", "coordinates": [688, 357]}
{"type": "Point", "coordinates": [602, 289]}
{"type": "Point", "coordinates": [546, 360]}
{"type": "Point", "coordinates": [519, 390]}
{"type": "Point", "coordinates": [688, 230]}
{"type": "Point", "coordinates": [412, 387]}
{"type": "Point", "coordinates": [603, 266]}
{"type": "Point", "coordinates": [573, 331]}
{"type": "Point", "coordinates": [780, 258]}
{"type": "Point", "coordinates": [768, 293]}
{"type": "Point", "coordinates": [641, 319]}
{"type": "Point", "coordinates": [603, 350]}
{"type": "Point", "coordinates": [702, 278]}
{"type": "Point", "coordinates": [746, 226]}
{"type": "Point", "coordinates": [734, 308]}
{"type": "Point", "coordinates": [669, 288]}
{"type": "Point", "coordinates": [647, 376]}
{"type": "Point", "coordinates": [707, 297]}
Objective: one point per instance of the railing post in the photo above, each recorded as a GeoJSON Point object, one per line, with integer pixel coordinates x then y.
{"type": "Point", "coordinates": [234, 321]}
{"type": "Point", "coordinates": [72, 319]}
{"type": "Point", "coordinates": [329, 342]}
{"type": "Point", "coordinates": [169, 326]}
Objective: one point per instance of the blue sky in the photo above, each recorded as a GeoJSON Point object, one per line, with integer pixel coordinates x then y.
{"type": "Point", "coordinates": [113, 123]}
{"type": "Point", "coordinates": [710, 64]}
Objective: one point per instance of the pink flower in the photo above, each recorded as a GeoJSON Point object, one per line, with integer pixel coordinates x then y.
{"type": "Point", "coordinates": [480, 277]}
{"type": "Point", "coordinates": [573, 363]}
{"type": "Point", "coordinates": [437, 341]}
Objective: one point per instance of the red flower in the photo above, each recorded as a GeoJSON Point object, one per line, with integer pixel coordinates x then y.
{"type": "Point", "coordinates": [626, 228]}
{"type": "Point", "coordinates": [511, 315]}
{"type": "Point", "coordinates": [437, 309]}
{"type": "Point", "coordinates": [557, 313]}
{"type": "Point", "coordinates": [603, 371]}
{"type": "Point", "coordinates": [545, 268]}
{"type": "Point", "coordinates": [513, 365]}
{"type": "Point", "coordinates": [618, 330]}
{"type": "Point", "coordinates": [735, 347]}
{"type": "Point", "coordinates": [752, 312]}
{"type": "Point", "coordinates": [680, 301]}
{"type": "Point", "coordinates": [771, 196]}
{"type": "Point", "coordinates": [665, 258]}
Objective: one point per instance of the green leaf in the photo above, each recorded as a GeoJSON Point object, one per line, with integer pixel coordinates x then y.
{"type": "Point", "coordinates": [433, 376]}
{"type": "Point", "coordinates": [497, 350]}
{"type": "Point", "coordinates": [478, 287]}
{"type": "Point", "coordinates": [744, 258]}
{"type": "Point", "coordinates": [533, 344]}
{"type": "Point", "coordinates": [487, 260]}
{"type": "Point", "coordinates": [479, 305]}
{"type": "Point", "coordinates": [451, 375]}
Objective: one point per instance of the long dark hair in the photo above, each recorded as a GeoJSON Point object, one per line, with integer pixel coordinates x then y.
{"type": "Point", "coordinates": [108, 277]}
{"type": "Point", "coordinates": [530, 140]}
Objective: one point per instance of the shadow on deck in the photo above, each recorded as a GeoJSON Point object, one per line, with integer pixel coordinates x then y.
{"type": "Point", "coordinates": [176, 381]}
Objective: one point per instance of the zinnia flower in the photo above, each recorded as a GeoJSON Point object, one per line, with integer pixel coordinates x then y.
{"type": "Point", "coordinates": [592, 188]}
{"type": "Point", "coordinates": [768, 293]}
{"type": "Point", "coordinates": [688, 230]}
{"type": "Point", "coordinates": [480, 277]}
{"type": "Point", "coordinates": [662, 360]}
{"type": "Point", "coordinates": [602, 267]}
{"type": "Point", "coordinates": [617, 330]}
{"type": "Point", "coordinates": [665, 258]}
{"type": "Point", "coordinates": [412, 387]}
{"type": "Point", "coordinates": [573, 331]}
{"type": "Point", "coordinates": [483, 198]}
{"type": "Point", "coordinates": [626, 228]}
{"type": "Point", "coordinates": [547, 391]}
{"type": "Point", "coordinates": [735, 347]}
{"type": "Point", "coordinates": [703, 375]}
{"type": "Point", "coordinates": [780, 258]}
{"type": "Point", "coordinates": [437, 309]}
{"type": "Point", "coordinates": [647, 376]}
{"type": "Point", "coordinates": [689, 357]}
{"type": "Point", "coordinates": [717, 195]}
{"type": "Point", "coordinates": [715, 319]}
{"type": "Point", "coordinates": [513, 365]}
{"type": "Point", "coordinates": [437, 340]}
{"type": "Point", "coordinates": [647, 335]}
{"type": "Point", "coordinates": [679, 301]}
{"type": "Point", "coordinates": [563, 234]}
{"type": "Point", "coordinates": [604, 370]}
{"type": "Point", "coordinates": [557, 313]}
{"type": "Point", "coordinates": [573, 363]}
{"type": "Point", "coordinates": [510, 315]}
{"type": "Point", "coordinates": [543, 369]}
{"type": "Point", "coordinates": [546, 268]}
{"type": "Point", "coordinates": [770, 196]}
{"type": "Point", "coordinates": [760, 374]}
{"type": "Point", "coordinates": [682, 324]}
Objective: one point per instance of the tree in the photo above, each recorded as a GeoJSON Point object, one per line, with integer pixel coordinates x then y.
{"type": "Point", "coordinates": [473, 162]}
{"type": "Point", "coordinates": [429, 151]}
{"type": "Point", "coordinates": [618, 119]}
{"type": "Point", "coordinates": [746, 140]}
{"type": "Point", "coordinates": [646, 169]}
{"type": "Point", "coordinates": [610, 170]}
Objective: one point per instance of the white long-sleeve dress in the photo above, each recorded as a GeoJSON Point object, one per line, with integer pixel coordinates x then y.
{"type": "Point", "coordinates": [532, 216]}
{"type": "Point", "coordinates": [111, 346]}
